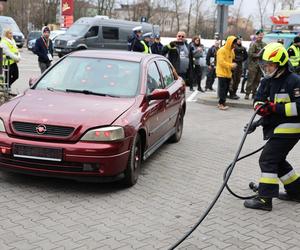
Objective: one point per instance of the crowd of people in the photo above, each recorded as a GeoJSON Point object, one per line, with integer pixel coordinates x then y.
{"type": "Point", "coordinates": [190, 59]}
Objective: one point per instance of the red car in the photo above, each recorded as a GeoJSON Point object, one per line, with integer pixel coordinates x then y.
{"type": "Point", "coordinates": [94, 115]}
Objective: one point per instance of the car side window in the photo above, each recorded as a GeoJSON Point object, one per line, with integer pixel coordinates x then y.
{"type": "Point", "coordinates": [153, 78]}
{"type": "Point", "coordinates": [93, 31]}
{"type": "Point", "coordinates": [166, 72]}
{"type": "Point", "coordinates": [110, 33]}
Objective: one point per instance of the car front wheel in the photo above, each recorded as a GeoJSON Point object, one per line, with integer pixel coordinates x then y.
{"type": "Point", "coordinates": [134, 163]}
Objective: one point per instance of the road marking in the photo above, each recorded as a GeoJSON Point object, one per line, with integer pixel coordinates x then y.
{"type": "Point", "coordinates": [192, 96]}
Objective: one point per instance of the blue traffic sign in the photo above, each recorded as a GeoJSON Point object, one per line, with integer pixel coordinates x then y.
{"type": "Point", "coordinates": [225, 2]}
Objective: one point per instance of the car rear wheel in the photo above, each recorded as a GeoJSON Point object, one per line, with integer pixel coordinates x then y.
{"type": "Point", "coordinates": [179, 127]}
{"type": "Point", "coordinates": [134, 163]}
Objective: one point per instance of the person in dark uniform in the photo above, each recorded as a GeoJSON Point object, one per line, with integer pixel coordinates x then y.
{"type": "Point", "coordinates": [254, 72]}
{"type": "Point", "coordinates": [157, 47]}
{"type": "Point", "coordinates": [146, 41]}
{"type": "Point", "coordinates": [278, 102]}
{"type": "Point", "coordinates": [135, 43]}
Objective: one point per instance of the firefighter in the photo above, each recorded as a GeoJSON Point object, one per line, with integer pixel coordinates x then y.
{"type": "Point", "coordinates": [294, 54]}
{"type": "Point", "coordinates": [278, 102]}
{"type": "Point", "coordinates": [254, 72]}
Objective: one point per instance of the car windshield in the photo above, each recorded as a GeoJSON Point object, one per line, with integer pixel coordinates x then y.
{"type": "Point", "coordinates": [34, 35]}
{"type": "Point", "coordinates": [78, 29]}
{"type": "Point", "coordinates": [55, 33]}
{"type": "Point", "coordinates": [93, 76]}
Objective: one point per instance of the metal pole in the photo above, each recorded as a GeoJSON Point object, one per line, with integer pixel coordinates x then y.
{"type": "Point", "coordinates": [60, 13]}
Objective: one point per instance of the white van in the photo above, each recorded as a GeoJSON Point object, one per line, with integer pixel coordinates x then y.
{"type": "Point", "coordinates": [8, 22]}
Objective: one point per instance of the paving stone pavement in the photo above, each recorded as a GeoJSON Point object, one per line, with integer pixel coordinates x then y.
{"type": "Point", "coordinates": [176, 185]}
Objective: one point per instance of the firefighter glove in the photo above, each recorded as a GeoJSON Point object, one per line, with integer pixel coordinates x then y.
{"type": "Point", "coordinates": [266, 109]}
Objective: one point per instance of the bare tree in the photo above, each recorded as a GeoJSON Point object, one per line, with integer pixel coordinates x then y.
{"type": "Point", "coordinates": [275, 6]}
{"type": "Point", "coordinates": [198, 15]}
{"type": "Point", "coordinates": [236, 29]}
{"type": "Point", "coordinates": [178, 7]}
{"type": "Point", "coordinates": [189, 17]}
{"type": "Point", "coordinates": [289, 3]}
{"type": "Point", "coordinates": [262, 6]}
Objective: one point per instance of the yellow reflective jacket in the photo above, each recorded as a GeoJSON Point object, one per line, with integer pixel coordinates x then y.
{"type": "Point", "coordinates": [225, 56]}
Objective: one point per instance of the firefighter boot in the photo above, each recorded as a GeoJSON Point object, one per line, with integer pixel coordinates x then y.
{"type": "Point", "coordinates": [258, 202]}
{"type": "Point", "coordinates": [286, 196]}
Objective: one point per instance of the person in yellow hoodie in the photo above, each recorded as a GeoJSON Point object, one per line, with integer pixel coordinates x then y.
{"type": "Point", "coordinates": [225, 64]}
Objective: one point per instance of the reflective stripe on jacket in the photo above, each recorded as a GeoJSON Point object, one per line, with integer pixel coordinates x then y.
{"type": "Point", "coordinates": [284, 91]}
{"type": "Point", "coordinates": [146, 48]}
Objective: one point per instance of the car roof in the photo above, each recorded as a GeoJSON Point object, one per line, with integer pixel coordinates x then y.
{"type": "Point", "coordinates": [115, 54]}
{"type": "Point", "coordinates": [281, 35]}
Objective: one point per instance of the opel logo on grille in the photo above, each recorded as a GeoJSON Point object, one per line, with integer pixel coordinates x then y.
{"type": "Point", "coordinates": [41, 129]}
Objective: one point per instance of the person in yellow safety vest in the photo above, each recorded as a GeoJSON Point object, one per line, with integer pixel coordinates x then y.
{"type": "Point", "coordinates": [146, 42]}
{"type": "Point", "coordinates": [294, 55]}
{"type": "Point", "coordinates": [278, 102]}
{"type": "Point", "coordinates": [11, 56]}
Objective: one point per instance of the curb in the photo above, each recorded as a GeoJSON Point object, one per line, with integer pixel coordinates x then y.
{"type": "Point", "coordinates": [212, 100]}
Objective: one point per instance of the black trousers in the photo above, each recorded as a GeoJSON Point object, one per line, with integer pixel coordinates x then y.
{"type": "Point", "coordinates": [223, 87]}
{"type": "Point", "coordinates": [13, 74]}
{"type": "Point", "coordinates": [210, 77]}
{"type": "Point", "coordinates": [197, 76]}
{"type": "Point", "coordinates": [273, 164]}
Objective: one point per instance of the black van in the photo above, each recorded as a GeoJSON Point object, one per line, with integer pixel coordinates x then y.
{"type": "Point", "coordinates": [98, 33]}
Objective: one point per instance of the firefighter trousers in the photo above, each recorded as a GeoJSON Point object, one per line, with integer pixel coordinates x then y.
{"type": "Point", "coordinates": [274, 167]}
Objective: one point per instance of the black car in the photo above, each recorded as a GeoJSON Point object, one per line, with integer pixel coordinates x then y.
{"type": "Point", "coordinates": [32, 36]}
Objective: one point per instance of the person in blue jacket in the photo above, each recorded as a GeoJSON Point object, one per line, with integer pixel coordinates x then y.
{"type": "Point", "coordinates": [44, 49]}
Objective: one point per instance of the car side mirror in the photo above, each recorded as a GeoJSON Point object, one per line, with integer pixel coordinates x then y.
{"type": "Point", "coordinates": [32, 81]}
{"type": "Point", "coordinates": [159, 94]}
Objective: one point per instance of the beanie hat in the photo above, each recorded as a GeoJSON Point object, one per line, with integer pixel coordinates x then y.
{"type": "Point", "coordinates": [45, 29]}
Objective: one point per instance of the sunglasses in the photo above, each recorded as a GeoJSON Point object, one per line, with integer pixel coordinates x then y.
{"type": "Point", "coordinates": [180, 36]}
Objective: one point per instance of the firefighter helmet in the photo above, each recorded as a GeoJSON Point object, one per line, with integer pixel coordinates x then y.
{"type": "Point", "coordinates": [275, 53]}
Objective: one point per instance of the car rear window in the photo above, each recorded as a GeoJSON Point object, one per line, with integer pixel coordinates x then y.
{"type": "Point", "coordinates": [103, 76]}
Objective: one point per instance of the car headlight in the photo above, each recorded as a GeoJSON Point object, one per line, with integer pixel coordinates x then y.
{"type": "Point", "coordinates": [104, 134]}
{"type": "Point", "coordinates": [71, 42]}
{"type": "Point", "coordinates": [2, 127]}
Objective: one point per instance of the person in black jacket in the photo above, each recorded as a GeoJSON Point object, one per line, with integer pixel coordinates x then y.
{"type": "Point", "coordinates": [211, 66]}
{"type": "Point", "coordinates": [44, 49]}
{"type": "Point", "coordinates": [241, 56]}
{"type": "Point", "coordinates": [178, 54]}
{"type": "Point", "coordinates": [157, 47]}
{"type": "Point", "coordinates": [135, 44]}
{"type": "Point", "coordinates": [278, 102]}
